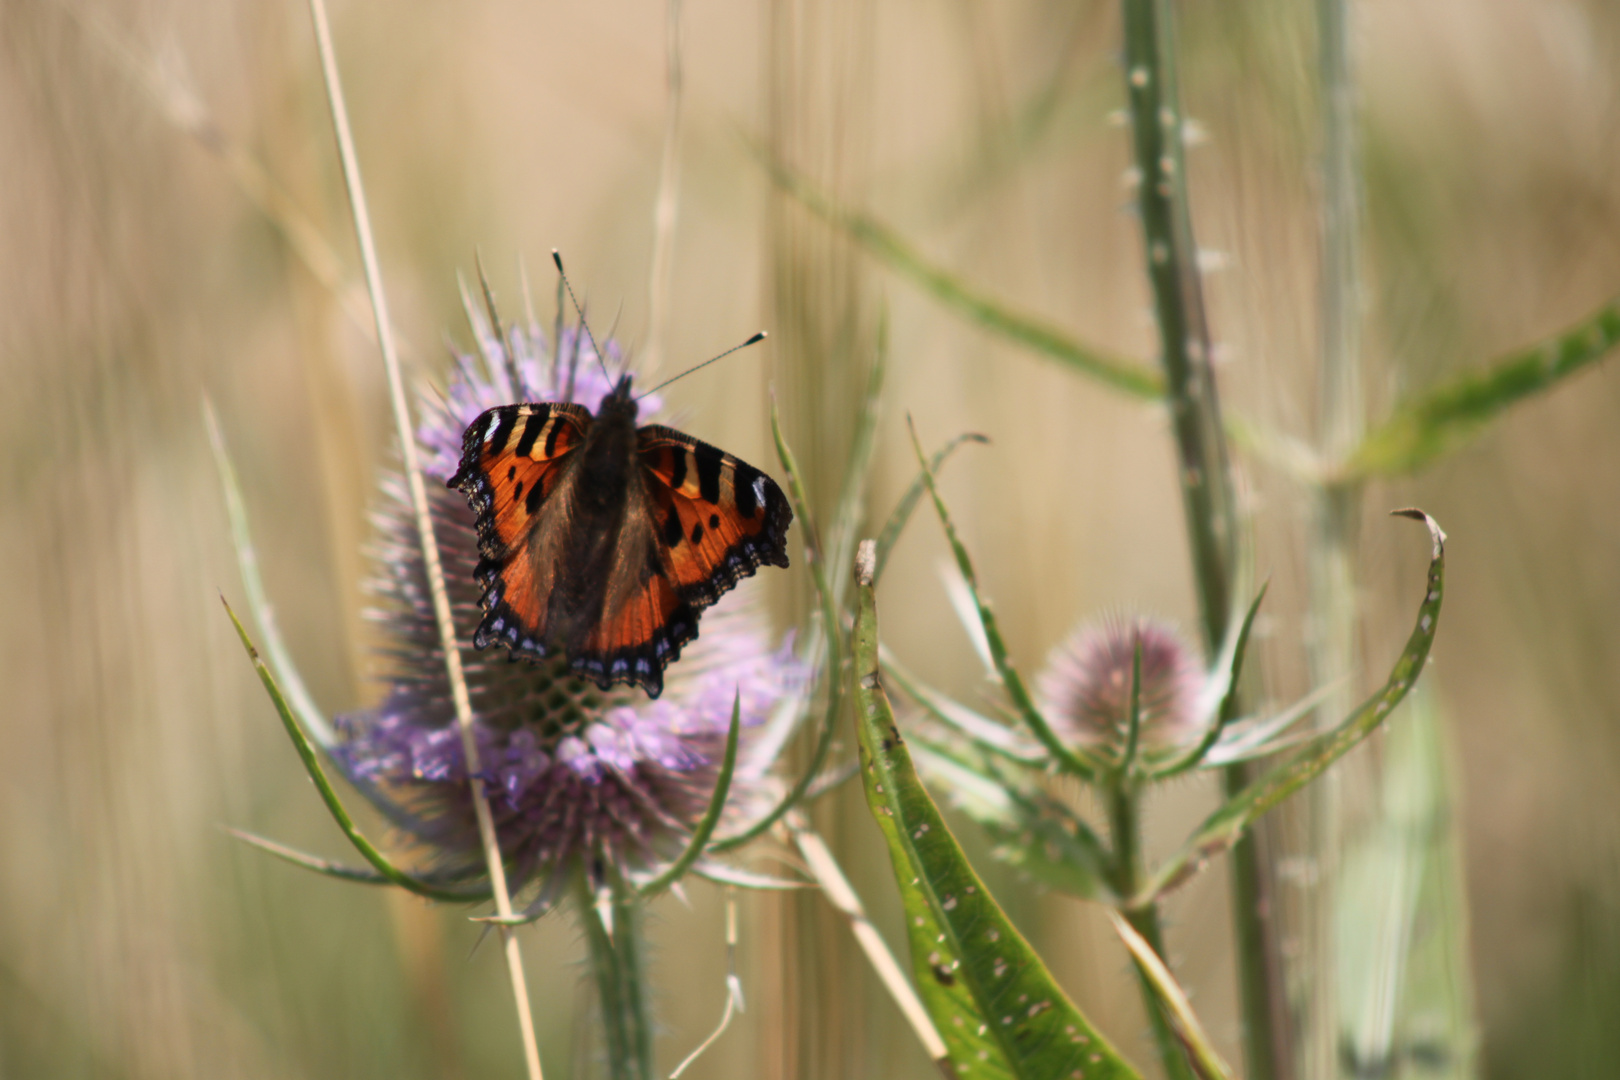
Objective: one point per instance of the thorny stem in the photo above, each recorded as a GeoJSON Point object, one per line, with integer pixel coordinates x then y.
{"type": "Point", "coordinates": [613, 935]}
{"type": "Point", "coordinates": [424, 526]}
{"type": "Point", "coordinates": [1206, 487]}
{"type": "Point", "coordinates": [1129, 875]}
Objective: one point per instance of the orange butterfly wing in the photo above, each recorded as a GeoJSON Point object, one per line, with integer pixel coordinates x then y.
{"type": "Point", "coordinates": [707, 521]}
{"type": "Point", "coordinates": [717, 518]}
{"type": "Point", "coordinates": [512, 459]}
{"type": "Point", "coordinates": [620, 591]}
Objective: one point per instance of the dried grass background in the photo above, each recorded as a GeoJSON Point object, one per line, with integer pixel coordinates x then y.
{"type": "Point", "coordinates": [137, 274]}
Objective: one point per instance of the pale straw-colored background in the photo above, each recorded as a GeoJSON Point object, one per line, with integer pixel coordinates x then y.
{"type": "Point", "coordinates": [140, 271]}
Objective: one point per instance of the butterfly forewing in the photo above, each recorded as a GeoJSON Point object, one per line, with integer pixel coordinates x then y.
{"type": "Point", "coordinates": [512, 460]}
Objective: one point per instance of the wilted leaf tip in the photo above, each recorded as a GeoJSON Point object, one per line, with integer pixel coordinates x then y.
{"type": "Point", "coordinates": [865, 562]}
{"type": "Point", "coordinates": [1436, 533]}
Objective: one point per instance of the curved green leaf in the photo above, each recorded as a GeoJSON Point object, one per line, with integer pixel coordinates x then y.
{"type": "Point", "coordinates": [312, 765]}
{"type": "Point", "coordinates": [1071, 760]}
{"type": "Point", "coordinates": [997, 1007]}
{"type": "Point", "coordinates": [1223, 828]}
{"type": "Point", "coordinates": [711, 817]}
{"type": "Point", "coordinates": [908, 502]}
{"type": "Point", "coordinates": [814, 558]}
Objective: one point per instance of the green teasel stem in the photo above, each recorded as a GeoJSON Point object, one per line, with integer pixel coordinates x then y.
{"type": "Point", "coordinates": [1172, 265]}
{"type": "Point", "coordinates": [431, 566]}
{"type": "Point", "coordinates": [1124, 820]}
{"type": "Point", "coordinates": [1204, 472]}
{"type": "Point", "coordinates": [613, 936]}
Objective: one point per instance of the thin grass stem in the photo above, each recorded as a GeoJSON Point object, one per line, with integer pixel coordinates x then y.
{"type": "Point", "coordinates": [431, 566]}
{"type": "Point", "coordinates": [841, 895]}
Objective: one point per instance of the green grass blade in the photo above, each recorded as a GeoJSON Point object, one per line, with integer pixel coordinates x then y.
{"type": "Point", "coordinates": [1229, 667]}
{"type": "Point", "coordinates": [711, 816]}
{"type": "Point", "coordinates": [908, 502]}
{"type": "Point", "coordinates": [1428, 425]}
{"type": "Point", "coordinates": [1200, 1050]}
{"type": "Point", "coordinates": [363, 875]}
{"type": "Point", "coordinates": [852, 493]}
{"type": "Point", "coordinates": [1010, 679]}
{"type": "Point", "coordinates": [888, 247]}
{"type": "Point", "coordinates": [832, 635]}
{"type": "Point", "coordinates": [328, 867]}
{"type": "Point", "coordinates": [1224, 827]}
{"type": "Point", "coordinates": [312, 764]}
{"type": "Point", "coordinates": [247, 561]}
{"type": "Point", "coordinates": [997, 1007]}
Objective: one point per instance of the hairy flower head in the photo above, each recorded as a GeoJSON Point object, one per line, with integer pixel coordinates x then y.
{"type": "Point", "coordinates": [1086, 687]}
{"type": "Point", "coordinates": [610, 782]}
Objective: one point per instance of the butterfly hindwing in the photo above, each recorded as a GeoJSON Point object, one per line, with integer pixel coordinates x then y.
{"type": "Point", "coordinates": [512, 460]}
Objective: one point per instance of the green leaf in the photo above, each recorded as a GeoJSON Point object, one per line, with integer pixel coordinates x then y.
{"type": "Point", "coordinates": [1228, 669]}
{"type": "Point", "coordinates": [312, 765]}
{"type": "Point", "coordinates": [908, 502]}
{"type": "Point", "coordinates": [1424, 427]}
{"type": "Point", "coordinates": [858, 471]}
{"type": "Point", "coordinates": [247, 561]}
{"type": "Point", "coordinates": [711, 817]}
{"type": "Point", "coordinates": [1033, 831]}
{"type": "Point", "coordinates": [1200, 1050]}
{"type": "Point", "coordinates": [988, 735]}
{"type": "Point", "coordinates": [1070, 760]}
{"type": "Point", "coordinates": [831, 635]}
{"type": "Point", "coordinates": [1226, 826]}
{"type": "Point", "coordinates": [889, 248]}
{"type": "Point", "coordinates": [999, 1010]}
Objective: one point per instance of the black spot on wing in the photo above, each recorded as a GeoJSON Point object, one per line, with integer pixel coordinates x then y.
{"type": "Point", "coordinates": [537, 495]}
{"type": "Point", "coordinates": [677, 468]}
{"type": "Point", "coordinates": [673, 534]}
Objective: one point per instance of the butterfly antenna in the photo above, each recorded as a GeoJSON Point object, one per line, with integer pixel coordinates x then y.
{"type": "Point", "coordinates": [755, 340]}
{"type": "Point", "coordinates": [556, 257]}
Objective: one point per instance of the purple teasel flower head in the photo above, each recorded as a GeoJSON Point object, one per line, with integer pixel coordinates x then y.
{"type": "Point", "coordinates": [610, 782]}
{"type": "Point", "coordinates": [1086, 688]}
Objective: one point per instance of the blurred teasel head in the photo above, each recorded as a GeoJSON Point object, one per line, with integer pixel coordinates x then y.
{"type": "Point", "coordinates": [609, 783]}
{"type": "Point", "coordinates": [1085, 688]}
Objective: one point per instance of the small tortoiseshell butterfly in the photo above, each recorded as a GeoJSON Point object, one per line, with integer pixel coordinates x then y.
{"type": "Point", "coordinates": [604, 541]}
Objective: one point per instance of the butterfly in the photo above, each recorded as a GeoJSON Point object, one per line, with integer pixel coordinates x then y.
{"type": "Point", "coordinates": [603, 541]}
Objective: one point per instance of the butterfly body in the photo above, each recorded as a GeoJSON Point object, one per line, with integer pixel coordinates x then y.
{"type": "Point", "coordinates": [604, 542]}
